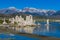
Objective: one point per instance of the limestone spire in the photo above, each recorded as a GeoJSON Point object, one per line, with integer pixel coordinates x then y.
{"type": "Point", "coordinates": [4, 22]}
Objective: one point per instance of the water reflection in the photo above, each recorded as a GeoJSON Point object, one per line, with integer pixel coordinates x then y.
{"type": "Point", "coordinates": [54, 29]}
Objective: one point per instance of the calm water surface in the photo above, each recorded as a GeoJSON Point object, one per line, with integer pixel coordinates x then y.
{"type": "Point", "coordinates": [16, 37]}
{"type": "Point", "coordinates": [54, 29]}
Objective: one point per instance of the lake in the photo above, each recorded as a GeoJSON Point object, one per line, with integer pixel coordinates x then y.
{"type": "Point", "coordinates": [54, 29]}
{"type": "Point", "coordinates": [15, 37]}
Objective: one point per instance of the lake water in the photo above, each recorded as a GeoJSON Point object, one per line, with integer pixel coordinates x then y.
{"type": "Point", "coordinates": [54, 29]}
{"type": "Point", "coordinates": [15, 37]}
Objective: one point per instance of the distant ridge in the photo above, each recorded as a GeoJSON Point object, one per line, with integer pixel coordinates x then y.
{"type": "Point", "coordinates": [28, 10]}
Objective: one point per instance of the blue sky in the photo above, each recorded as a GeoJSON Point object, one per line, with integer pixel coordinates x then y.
{"type": "Point", "coordinates": [42, 4]}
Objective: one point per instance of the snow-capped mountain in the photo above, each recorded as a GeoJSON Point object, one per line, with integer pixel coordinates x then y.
{"type": "Point", "coordinates": [39, 11]}
{"type": "Point", "coordinates": [27, 10]}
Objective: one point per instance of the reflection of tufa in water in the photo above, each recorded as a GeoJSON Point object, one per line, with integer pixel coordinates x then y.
{"type": "Point", "coordinates": [24, 25]}
{"type": "Point", "coordinates": [47, 25]}
{"type": "Point", "coordinates": [29, 29]}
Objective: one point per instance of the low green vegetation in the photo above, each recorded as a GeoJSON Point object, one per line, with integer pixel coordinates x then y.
{"type": "Point", "coordinates": [7, 21]}
{"type": "Point", "coordinates": [1, 21]}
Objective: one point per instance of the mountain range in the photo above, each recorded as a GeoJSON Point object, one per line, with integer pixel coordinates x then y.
{"type": "Point", "coordinates": [12, 11]}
